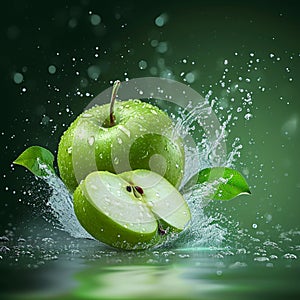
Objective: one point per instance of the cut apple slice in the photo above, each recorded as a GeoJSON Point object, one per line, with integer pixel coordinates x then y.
{"type": "Point", "coordinates": [111, 214]}
{"type": "Point", "coordinates": [130, 210]}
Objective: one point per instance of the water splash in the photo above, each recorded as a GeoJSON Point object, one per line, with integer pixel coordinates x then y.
{"type": "Point", "coordinates": [61, 208]}
{"type": "Point", "coordinates": [203, 230]}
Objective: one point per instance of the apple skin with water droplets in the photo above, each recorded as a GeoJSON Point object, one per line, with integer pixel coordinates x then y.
{"type": "Point", "coordinates": [132, 210]}
{"type": "Point", "coordinates": [142, 137]}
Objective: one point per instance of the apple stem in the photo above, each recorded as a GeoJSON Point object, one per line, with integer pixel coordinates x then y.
{"type": "Point", "coordinates": [115, 88]}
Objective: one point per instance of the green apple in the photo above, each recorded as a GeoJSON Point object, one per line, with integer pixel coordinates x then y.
{"type": "Point", "coordinates": [132, 210]}
{"type": "Point", "coordinates": [118, 137]}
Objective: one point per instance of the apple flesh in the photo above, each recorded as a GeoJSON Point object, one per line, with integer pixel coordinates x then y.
{"type": "Point", "coordinates": [142, 137]}
{"type": "Point", "coordinates": [132, 210]}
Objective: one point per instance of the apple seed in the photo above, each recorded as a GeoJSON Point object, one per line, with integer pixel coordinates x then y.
{"type": "Point", "coordinates": [139, 190]}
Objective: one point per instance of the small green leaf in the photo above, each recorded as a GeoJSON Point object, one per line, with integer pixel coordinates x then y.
{"type": "Point", "coordinates": [233, 185]}
{"type": "Point", "coordinates": [38, 160]}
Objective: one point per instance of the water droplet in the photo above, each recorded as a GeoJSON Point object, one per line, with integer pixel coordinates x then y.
{"type": "Point", "coordinates": [52, 69]}
{"type": "Point", "coordinates": [161, 20]}
{"type": "Point", "coordinates": [95, 19]}
{"type": "Point", "coordinates": [261, 258]}
{"type": "Point", "coordinates": [4, 249]}
{"type": "Point", "coordinates": [190, 77]}
{"type": "Point", "coordinates": [116, 160]}
{"type": "Point", "coordinates": [290, 256]}
{"type": "Point", "coordinates": [72, 23]}
{"type": "Point", "coordinates": [124, 130]}
{"type": "Point", "coordinates": [248, 116]}
{"type": "Point", "coordinates": [18, 78]}
{"type": "Point", "coordinates": [254, 226]}
{"type": "Point", "coordinates": [154, 43]}
{"type": "Point", "coordinates": [4, 239]}
{"type": "Point", "coordinates": [69, 150]}
{"type": "Point", "coordinates": [91, 140]}
{"type": "Point", "coordinates": [119, 140]}
{"type": "Point", "coordinates": [162, 47]}
{"type": "Point", "coordinates": [143, 64]}
{"type": "Point", "coordinates": [93, 72]}
{"type": "Point", "coordinates": [86, 115]}
{"type": "Point", "coordinates": [47, 240]}
{"type": "Point", "coordinates": [241, 251]}
{"type": "Point", "coordinates": [238, 265]}
{"type": "Point", "coordinates": [183, 255]}
{"type": "Point", "coordinates": [107, 200]}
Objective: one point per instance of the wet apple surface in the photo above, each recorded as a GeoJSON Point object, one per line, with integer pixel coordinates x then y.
{"type": "Point", "coordinates": [142, 138]}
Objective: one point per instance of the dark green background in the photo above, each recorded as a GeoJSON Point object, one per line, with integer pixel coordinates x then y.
{"type": "Point", "coordinates": [36, 34]}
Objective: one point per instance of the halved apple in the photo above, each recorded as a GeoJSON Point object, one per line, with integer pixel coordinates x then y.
{"type": "Point", "coordinates": [131, 210]}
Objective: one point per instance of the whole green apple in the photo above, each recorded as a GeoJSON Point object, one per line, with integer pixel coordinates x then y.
{"type": "Point", "coordinates": [118, 137]}
{"type": "Point", "coordinates": [132, 210]}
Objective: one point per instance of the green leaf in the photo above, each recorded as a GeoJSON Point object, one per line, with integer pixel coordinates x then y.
{"type": "Point", "coordinates": [38, 160]}
{"type": "Point", "coordinates": [232, 183]}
